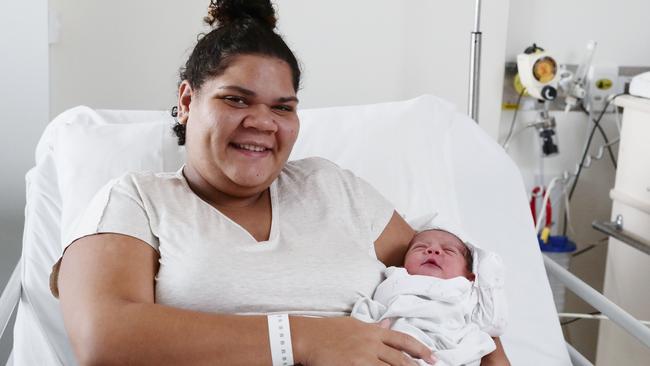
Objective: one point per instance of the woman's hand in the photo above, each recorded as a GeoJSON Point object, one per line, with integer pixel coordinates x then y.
{"type": "Point", "coordinates": [348, 341]}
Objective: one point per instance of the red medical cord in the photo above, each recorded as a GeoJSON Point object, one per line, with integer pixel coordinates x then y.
{"type": "Point", "coordinates": [533, 206]}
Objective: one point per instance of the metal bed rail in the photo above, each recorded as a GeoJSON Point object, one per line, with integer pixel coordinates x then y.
{"type": "Point", "coordinates": [8, 302]}
{"type": "Point", "coordinates": [577, 359]}
{"type": "Point", "coordinates": [10, 297]}
{"type": "Point", "coordinates": [615, 230]}
{"type": "Point", "coordinates": [614, 312]}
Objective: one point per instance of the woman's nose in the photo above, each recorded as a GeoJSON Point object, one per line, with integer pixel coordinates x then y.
{"type": "Point", "coordinates": [261, 118]}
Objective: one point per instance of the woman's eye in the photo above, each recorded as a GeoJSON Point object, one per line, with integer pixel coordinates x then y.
{"type": "Point", "coordinates": [283, 108]}
{"type": "Point", "coordinates": [235, 101]}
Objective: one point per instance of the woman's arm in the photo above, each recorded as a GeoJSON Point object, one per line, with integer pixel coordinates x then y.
{"type": "Point", "coordinates": [497, 357]}
{"type": "Point", "coordinates": [393, 242]}
{"type": "Point", "coordinates": [106, 288]}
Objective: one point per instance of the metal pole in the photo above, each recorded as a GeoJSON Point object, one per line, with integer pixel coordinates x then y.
{"type": "Point", "coordinates": [475, 65]}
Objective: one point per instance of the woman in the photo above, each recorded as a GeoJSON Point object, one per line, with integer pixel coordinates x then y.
{"type": "Point", "coordinates": [159, 262]}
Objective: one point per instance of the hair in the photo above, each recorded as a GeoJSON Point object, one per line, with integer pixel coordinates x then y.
{"type": "Point", "coordinates": [240, 27]}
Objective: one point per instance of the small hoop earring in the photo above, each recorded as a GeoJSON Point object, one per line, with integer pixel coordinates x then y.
{"type": "Point", "coordinates": [176, 113]}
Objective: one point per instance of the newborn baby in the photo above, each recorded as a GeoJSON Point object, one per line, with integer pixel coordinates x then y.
{"type": "Point", "coordinates": [442, 298]}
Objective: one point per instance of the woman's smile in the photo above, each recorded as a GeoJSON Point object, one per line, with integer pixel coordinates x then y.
{"type": "Point", "coordinates": [251, 151]}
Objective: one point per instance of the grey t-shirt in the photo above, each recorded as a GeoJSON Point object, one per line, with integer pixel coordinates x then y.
{"type": "Point", "coordinates": [319, 258]}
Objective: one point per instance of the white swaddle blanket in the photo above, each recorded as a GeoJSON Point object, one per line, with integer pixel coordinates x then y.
{"type": "Point", "coordinates": [435, 311]}
{"type": "Point", "coordinates": [456, 318]}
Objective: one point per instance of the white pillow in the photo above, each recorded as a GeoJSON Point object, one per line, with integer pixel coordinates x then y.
{"type": "Point", "coordinates": [384, 142]}
{"type": "Point", "coordinates": [89, 154]}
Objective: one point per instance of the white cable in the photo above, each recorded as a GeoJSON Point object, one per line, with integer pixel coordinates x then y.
{"type": "Point", "coordinates": [593, 316]}
{"type": "Point", "coordinates": [509, 137]}
{"type": "Point", "coordinates": [541, 163]}
{"type": "Point", "coordinates": [506, 144]}
{"type": "Point", "coordinates": [564, 179]}
{"type": "Point", "coordinates": [589, 159]}
{"type": "Point", "coordinates": [542, 210]}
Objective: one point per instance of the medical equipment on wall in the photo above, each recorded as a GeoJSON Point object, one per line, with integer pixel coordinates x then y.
{"type": "Point", "coordinates": [575, 86]}
{"type": "Point", "coordinates": [567, 181]}
{"type": "Point", "coordinates": [539, 76]}
{"type": "Point", "coordinates": [538, 72]}
{"type": "Point", "coordinates": [542, 77]}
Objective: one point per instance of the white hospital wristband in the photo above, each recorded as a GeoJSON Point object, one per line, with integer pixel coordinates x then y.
{"type": "Point", "coordinates": [280, 340]}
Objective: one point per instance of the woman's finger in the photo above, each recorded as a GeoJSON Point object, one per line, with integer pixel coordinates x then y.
{"type": "Point", "coordinates": [384, 324]}
{"type": "Point", "coordinates": [394, 357]}
{"type": "Point", "coordinates": [404, 342]}
{"type": "Point", "coordinates": [367, 359]}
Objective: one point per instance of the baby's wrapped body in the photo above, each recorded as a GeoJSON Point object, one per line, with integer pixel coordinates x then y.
{"type": "Point", "coordinates": [436, 311]}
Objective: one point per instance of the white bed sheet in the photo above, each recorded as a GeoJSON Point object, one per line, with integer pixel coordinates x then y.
{"type": "Point", "coordinates": [422, 154]}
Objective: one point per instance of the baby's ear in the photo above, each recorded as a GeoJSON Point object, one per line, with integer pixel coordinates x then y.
{"type": "Point", "coordinates": [470, 276]}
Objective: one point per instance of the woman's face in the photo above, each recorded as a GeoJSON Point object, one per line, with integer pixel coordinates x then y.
{"type": "Point", "coordinates": [241, 125]}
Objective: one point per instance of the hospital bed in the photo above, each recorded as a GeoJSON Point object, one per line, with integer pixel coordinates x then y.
{"type": "Point", "coordinates": [422, 154]}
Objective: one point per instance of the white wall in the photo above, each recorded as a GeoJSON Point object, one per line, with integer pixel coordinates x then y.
{"type": "Point", "coordinates": [122, 56]}
{"type": "Point", "coordinates": [438, 46]}
{"type": "Point", "coordinates": [352, 52]}
{"type": "Point", "coordinates": [24, 114]}
{"type": "Point", "coordinates": [348, 56]}
{"type": "Point", "coordinates": [564, 28]}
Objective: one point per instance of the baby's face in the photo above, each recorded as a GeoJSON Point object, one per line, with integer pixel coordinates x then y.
{"type": "Point", "coordinates": [437, 253]}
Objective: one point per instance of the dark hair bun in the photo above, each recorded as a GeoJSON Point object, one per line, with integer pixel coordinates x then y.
{"type": "Point", "coordinates": [224, 12]}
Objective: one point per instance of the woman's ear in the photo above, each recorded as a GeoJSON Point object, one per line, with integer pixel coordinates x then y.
{"type": "Point", "coordinates": [185, 94]}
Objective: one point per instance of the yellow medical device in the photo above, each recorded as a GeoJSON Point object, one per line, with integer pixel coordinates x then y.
{"type": "Point", "coordinates": [538, 73]}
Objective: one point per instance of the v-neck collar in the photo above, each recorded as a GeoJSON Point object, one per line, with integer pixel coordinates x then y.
{"type": "Point", "coordinates": [273, 235]}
